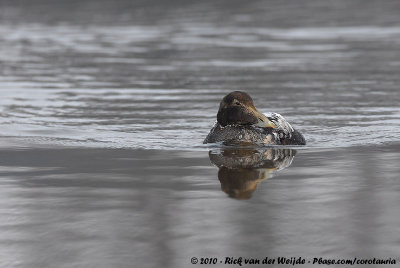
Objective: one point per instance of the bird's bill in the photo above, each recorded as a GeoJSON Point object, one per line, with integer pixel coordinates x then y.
{"type": "Point", "coordinates": [262, 120]}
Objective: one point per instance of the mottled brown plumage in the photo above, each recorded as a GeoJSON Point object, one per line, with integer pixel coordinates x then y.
{"type": "Point", "coordinates": [238, 122]}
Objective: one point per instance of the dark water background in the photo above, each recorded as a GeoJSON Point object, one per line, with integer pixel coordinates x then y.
{"type": "Point", "coordinates": [104, 106]}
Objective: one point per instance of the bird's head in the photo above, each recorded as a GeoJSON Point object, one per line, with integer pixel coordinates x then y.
{"type": "Point", "coordinates": [237, 108]}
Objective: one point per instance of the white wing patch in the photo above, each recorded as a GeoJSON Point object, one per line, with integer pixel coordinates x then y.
{"type": "Point", "coordinates": [282, 126]}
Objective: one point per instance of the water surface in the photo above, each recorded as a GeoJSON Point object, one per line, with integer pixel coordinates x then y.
{"type": "Point", "coordinates": [104, 108]}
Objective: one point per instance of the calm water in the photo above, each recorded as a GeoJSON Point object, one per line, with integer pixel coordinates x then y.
{"type": "Point", "coordinates": [104, 107]}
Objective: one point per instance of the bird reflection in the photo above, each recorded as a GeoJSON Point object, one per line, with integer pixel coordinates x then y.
{"type": "Point", "coordinates": [241, 169]}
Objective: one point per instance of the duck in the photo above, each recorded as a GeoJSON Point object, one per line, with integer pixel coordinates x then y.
{"type": "Point", "coordinates": [240, 123]}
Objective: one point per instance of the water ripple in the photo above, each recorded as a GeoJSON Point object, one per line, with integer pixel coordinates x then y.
{"type": "Point", "coordinates": [159, 87]}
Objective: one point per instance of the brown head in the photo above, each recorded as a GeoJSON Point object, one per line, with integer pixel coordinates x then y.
{"type": "Point", "coordinates": [237, 108]}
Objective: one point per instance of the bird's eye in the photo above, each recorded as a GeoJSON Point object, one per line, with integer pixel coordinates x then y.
{"type": "Point", "coordinates": [237, 103]}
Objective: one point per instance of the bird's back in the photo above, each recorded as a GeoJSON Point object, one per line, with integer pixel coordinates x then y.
{"type": "Point", "coordinates": [283, 134]}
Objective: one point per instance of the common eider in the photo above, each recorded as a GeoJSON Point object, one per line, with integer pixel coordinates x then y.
{"type": "Point", "coordinates": [239, 122]}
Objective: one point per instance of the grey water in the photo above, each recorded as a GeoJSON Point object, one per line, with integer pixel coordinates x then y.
{"type": "Point", "coordinates": [104, 106]}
